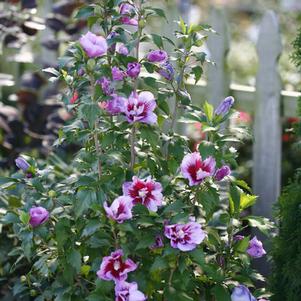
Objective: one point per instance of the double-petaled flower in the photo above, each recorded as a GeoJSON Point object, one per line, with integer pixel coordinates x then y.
{"type": "Point", "coordinates": [114, 268]}
{"type": "Point", "coordinates": [255, 248]}
{"type": "Point", "coordinates": [146, 192]}
{"type": "Point", "coordinates": [185, 237]}
{"type": "Point", "coordinates": [93, 45]}
{"type": "Point", "coordinates": [140, 107]}
{"type": "Point", "coordinates": [120, 210]}
{"type": "Point", "coordinates": [125, 291]}
{"type": "Point", "coordinates": [195, 169]}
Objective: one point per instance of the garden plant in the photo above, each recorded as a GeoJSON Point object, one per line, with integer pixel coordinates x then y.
{"type": "Point", "coordinates": [136, 215]}
{"type": "Point", "coordinates": [285, 284]}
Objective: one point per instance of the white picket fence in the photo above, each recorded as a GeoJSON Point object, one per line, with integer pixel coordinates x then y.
{"type": "Point", "coordinates": [267, 101]}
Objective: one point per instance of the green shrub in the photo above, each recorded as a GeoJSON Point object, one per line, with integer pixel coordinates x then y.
{"type": "Point", "coordinates": [286, 280]}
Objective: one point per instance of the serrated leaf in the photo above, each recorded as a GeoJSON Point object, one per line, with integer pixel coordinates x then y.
{"type": "Point", "coordinates": [74, 259]}
{"type": "Point", "coordinates": [89, 112]}
{"type": "Point", "coordinates": [247, 200]}
{"type": "Point", "coordinates": [85, 198]}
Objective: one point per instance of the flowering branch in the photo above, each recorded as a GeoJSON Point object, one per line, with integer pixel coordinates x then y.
{"type": "Point", "coordinates": [96, 141]}
{"type": "Point", "coordinates": [133, 132]}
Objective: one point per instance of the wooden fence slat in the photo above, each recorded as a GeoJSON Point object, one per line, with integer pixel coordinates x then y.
{"type": "Point", "coordinates": [267, 123]}
{"type": "Point", "coordinates": [218, 75]}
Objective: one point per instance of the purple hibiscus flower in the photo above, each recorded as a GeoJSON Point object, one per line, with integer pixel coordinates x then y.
{"type": "Point", "coordinates": [195, 169]}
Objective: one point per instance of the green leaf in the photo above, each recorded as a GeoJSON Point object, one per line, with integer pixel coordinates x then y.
{"type": "Point", "coordinates": [41, 266]}
{"type": "Point", "coordinates": [242, 245]}
{"type": "Point", "coordinates": [150, 136]}
{"type": "Point", "coordinates": [92, 20]}
{"type": "Point", "coordinates": [89, 112]}
{"type": "Point", "coordinates": [157, 40]}
{"type": "Point", "coordinates": [247, 200]}
{"type": "Point", "coordinates": [159, 12]}
{"type": "Point", "coordinates": [84, 12]}
{"type": "Point", "coordinates": [74, 259]}
{"type": "Point", "coordinates": [62, 231]}
{"type": "Point", "coordinates": [221, 293]}
{"type": "Point", "coordinates": [198, 256]}
{"type": "Point", "coordinates": [24, 217]}
{"type": "Point", "coordinates": [200, 57]}
{"type": "Point", "coordinates": [184, 97]}
{"type": "Point", "coordinates": [85, 198]}
{"type": "Point", "coordinates": [234, 199]}
{"type": "Point", "coordinates": [261, 223]}
{"type": "Point", "coordinates": [242, 184]}
{"type": "Point", "coordinates": [91, 228]}
{"type": "Point", "coordinates": [36, 183]}
{"type": "Point", "coordinates": [208, 110]}
{"type": "Point", "coordinates": [197, 71]}
{"type": "Point", "coordinates": [159, 264]}
{"type": "Point", "coordinates": [152, 82]}
{"type": "Point", "coordinates": [149, 67]}
{"type": "Point", "coordinates": [174, 207]}
{"type": "Point", "coordinates": [209, 200]}
{"type": "Point", "coordinates": [10, 218]}
{"type": "Point", "coordinates": [52, 71]}
{"type": "Point", "coordinates": [183, 26]}
{"type": "Point", "coordinates": [206, 149]}
{"type": "Point", "coordinates": [145, 242]}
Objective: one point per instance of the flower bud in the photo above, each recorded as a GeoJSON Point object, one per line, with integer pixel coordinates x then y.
{"type": "Point", "coordinates": [241, 293]}
{"type": "Point", "coordinates": [225, 106]}
{"type": "Point", "coordinates": [222, 172]}
{"type": "Point", "coordinates": [22, 164]}
{"type": "Point", "coordinates": [38, 216]}
{"type": "Point", "coordinates": [52, 194]}
{"type": "Point", "coordinates": [23, 278]}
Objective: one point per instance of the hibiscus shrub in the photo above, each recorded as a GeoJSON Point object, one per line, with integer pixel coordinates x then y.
{"type": "Point", "coordinates": [137, 214]}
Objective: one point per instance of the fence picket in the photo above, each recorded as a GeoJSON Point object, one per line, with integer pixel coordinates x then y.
{"type": "Point", "coordinates": [218, 75]}
{"type": "Point", "coordinates": [267, 124]}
